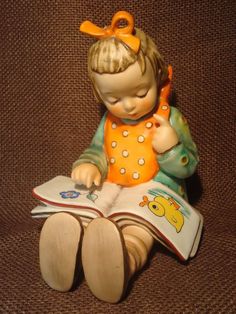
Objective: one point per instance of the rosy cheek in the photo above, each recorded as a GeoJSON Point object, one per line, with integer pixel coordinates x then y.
{"type": "Point", "coordinates": [146, 105]}
{"type": "Point", "coordinates": [115, 110]}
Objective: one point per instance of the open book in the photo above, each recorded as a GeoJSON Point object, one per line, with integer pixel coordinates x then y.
{"type": "Point", "coordinates": [167, 216]}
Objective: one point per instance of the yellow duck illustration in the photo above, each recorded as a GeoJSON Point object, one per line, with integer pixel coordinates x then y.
{"type": "Point", "coordinates": [161, 206]}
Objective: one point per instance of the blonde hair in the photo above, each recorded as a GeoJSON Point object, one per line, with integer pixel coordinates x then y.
{"type": "Point", "coordinates": [111, 55]}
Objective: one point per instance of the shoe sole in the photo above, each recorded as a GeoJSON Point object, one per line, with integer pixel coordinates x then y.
{"type": "Point", "coordinates": [104, 260]}
{"type": "Point", "coordinates": [59, 250]}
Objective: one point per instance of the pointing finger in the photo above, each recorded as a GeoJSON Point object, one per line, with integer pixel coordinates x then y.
{"type": "Point", "coordinates": [161, 120]}
{"type": "Point", "coordinates": [89, 182]}
{"type": "Point", "coordinates": [97, 180]}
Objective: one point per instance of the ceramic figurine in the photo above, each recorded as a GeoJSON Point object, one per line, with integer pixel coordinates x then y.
{"type": "Point", "coordinates": [141, 141]}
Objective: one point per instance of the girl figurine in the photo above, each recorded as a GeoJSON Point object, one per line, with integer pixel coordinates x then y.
{"type": "Point", "coordinates": [140, 140]}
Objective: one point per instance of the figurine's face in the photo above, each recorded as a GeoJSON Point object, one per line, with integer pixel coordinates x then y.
{"type": "Point", "coordinates": [129, 94]}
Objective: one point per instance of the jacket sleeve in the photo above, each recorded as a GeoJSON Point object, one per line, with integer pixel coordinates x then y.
{"type": "Point", "coordinates": [95, 152]}
{"type": "Point", "coordinates": [181, 161]}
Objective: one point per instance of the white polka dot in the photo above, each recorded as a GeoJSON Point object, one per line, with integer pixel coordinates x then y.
{"type": "Point", "coordinates": [125, 153]}
{"type": "Point", "coordinates": [122, 171]}
{"type": "Point", "coordinates": [136, 175]}
{"type": "Point", "coordinates": [112, 160]}
{"type": "Point", "coordinates": [125, 133]}
{"type": "Point", "coordinates": [141, 161]}
{"type": "Point", "coordinates": [113, 144]}
{"type": "Point", "coordinates": [114, 125]}
{"type": "Point", "coordinates": [164, 107]}
{"type": "Point", "coordinates": [141, 139]}
{"type": "Point", "coordinates": [148, 125]}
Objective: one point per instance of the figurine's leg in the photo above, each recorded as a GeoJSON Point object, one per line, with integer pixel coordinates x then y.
{"type": "Point", "coordinates": [138, 243]}
{"type": "Point", "coordinates": [59, 250]}
{"type": "Point", "coordinates": [104, 260]}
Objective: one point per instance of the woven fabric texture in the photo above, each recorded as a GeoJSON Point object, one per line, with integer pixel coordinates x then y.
{"type": "Point", "coordinates": [49, 115]}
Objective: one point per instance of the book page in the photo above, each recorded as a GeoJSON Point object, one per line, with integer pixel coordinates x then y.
{"type": "Point", "coordinates": [169, 214]}
{"type": "Point", "coordinates": [106, 196]}
{"type": "Point", "coordinates": [62, 192]}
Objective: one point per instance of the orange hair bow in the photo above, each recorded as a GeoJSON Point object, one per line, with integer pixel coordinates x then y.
{"type": "Point", "coordinates": [124, 33]}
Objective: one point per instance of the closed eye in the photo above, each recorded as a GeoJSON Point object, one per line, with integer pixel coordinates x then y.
{"type": "Point", "coordinates": [113, 101]}
{"type": "Point", "coordinates": [142, 95]}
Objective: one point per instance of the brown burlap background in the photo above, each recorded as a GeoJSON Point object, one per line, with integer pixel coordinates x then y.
{"type": "Point", "coordinates": [48, 116]}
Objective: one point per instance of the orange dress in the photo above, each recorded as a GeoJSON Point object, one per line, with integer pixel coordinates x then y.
{"type": "Point", "coordinates": [131, 157]}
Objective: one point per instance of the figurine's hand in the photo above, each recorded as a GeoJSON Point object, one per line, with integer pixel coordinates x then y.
{"type": "Point", "coordinates": [86, 174]}
{"type": "Point", "coordinates": [165, 137]}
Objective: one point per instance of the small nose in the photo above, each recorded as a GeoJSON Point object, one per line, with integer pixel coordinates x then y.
{"type": "Point", "coordinates": [128, 104]}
